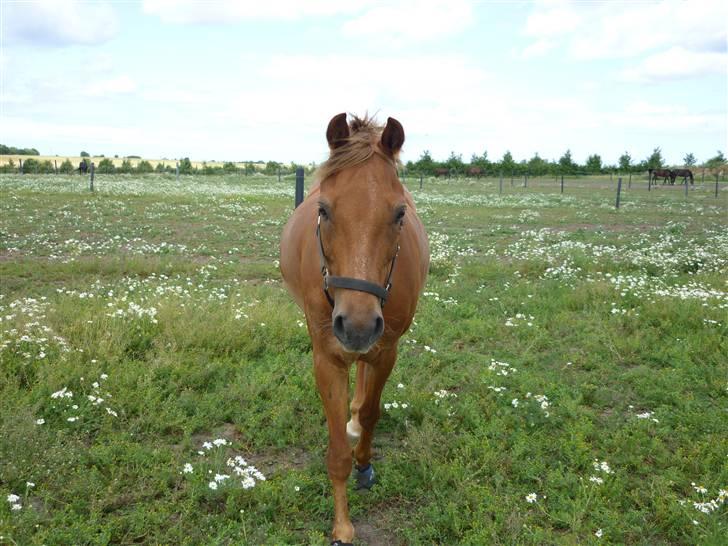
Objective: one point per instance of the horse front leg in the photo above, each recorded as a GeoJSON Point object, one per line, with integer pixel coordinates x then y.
{"type": "Point", "coordinates": [353, 428]}
{"type": "Point", "coordinates": [332, 381]}
{"type": "Point", "coordinates": [375, 377]}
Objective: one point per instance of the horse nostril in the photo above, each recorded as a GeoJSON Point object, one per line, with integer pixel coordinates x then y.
{"type": "Point", "coordinates": [339, 325]}
{"type": "Point", "coordinates": [378, 326]}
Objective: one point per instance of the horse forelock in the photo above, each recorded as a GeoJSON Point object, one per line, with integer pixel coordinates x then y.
{"type": "Point", "coordinates": [361, 144]}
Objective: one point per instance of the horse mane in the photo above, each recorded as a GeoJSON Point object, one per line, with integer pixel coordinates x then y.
{"type": "Point", "coordinates": [362, 143]}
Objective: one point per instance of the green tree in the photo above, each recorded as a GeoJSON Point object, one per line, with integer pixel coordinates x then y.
{"type": "Point", "coordinates": [106, 166]}
{"type": "Point", "coordinates": [8, 167]}
{"type": "Point", "coordinates": [229, 167]}
{"type": "Point", "coordinates": [143, 167]}
{"type": "Point", "coordinates": [480, 161]}
{"type": "Point", "coordinates": [185, 166]}
{"type": "Point", "coordinates": [67, 167]}
{"type": "Point", "coordinates": [625, 162]}
{"type": "Point", "coordinates": [537, 166]}
{"type": "Point", "coordinates": [126, 167]}
{"type": "Point", "coordinates": [655, 160]}
{"type": "Point", "coordinates": [689, 160]}
{"type": "Point", "coordinates": [594, 164]}
{"type": "Point", "coordinates": [424, 164]}
{"type": "Point", "coordinates": [85, 154]}
{"type": "Point", "coordinates": [566, 163]}
{"type": "Point", "coordinates": [507, 164]}
{"type": "Point", "coordinates": [455, 163]}
{"type": "Point", "coordinates": [30, 166]}
{"type": "Point", "coordinates": [717, 161]}
{"type": "Point", "coordinates": [159, 167]}
{"type": "Point", "coordinates": [271, 167]}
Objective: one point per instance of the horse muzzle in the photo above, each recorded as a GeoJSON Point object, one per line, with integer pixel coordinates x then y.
{"type": "Point", "coordinates": [357, 336]}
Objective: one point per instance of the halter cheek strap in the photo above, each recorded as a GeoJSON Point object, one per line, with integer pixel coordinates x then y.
{"type": "Point", "coordinates": [350, 283]}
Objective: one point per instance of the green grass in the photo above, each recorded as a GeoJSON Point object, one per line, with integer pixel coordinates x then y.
{"type": "Point", "coordinates": [586, 316]}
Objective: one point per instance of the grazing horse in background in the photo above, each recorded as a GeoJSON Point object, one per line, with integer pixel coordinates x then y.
{"type": "Point", "coordinates": [685, 174]}
{"type": "Point", "coordinates": [354, 245]}
{"type": "Point", "coordinates": [442, 172]}
{"type": "Point", "coordinates": [665, 174]}
{"type": "Point", "coordinates": [83, 167]}
{"type": "Point", "coordinates": [475, 171]}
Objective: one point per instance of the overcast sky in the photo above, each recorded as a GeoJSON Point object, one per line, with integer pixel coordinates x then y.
{"type": "Point", "coordinates": [260, 80]}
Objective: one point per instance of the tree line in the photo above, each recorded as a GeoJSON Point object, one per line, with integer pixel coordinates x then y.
{"type": "Point", "coordinates": [106, 166]}
{"type": "Point", "coordinates": [537, 166]}
{"type": "Point", "coordinates": [12, 150]}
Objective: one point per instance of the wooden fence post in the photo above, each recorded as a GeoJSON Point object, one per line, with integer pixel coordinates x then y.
{"type": "Point", "coordinates": [500, 184]}
{"type": "Point", "coordinates": [279, 174]}
{"type": "Point", "coordinates": [91, 176]}
{"type": "Point", "coordinates": [619, 190]}
{"type": "Point", "coordinates": [562, 183]}
{"type": "Point", "coordinates": [420, 180]}
{"type": "Point", "coordinates": [299, 186]}
{"type": "Point", "coordinates": [176, 171]}
{"type": "Point", "coordinates": [716, 185]}
{"type": "Point", "coordinates": [20, 166]}
{"type": "Point", "coordinates": [525, 180]}
{"type": "Point", "coordinates": [629, 184]}
{"type": "Point", "coordinates": [55, 166]}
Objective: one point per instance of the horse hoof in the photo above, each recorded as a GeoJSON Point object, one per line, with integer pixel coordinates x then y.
{"type": "Point", "coordinates": [365, 477]}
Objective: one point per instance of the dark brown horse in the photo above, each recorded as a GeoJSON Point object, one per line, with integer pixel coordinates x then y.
{"type": "Point", "coordinates": [441, 171]}
{"type": "Point", "coordinates": [665, 174]}
{"type": "Point", "coordinates": [475, 171]}
{"type": "Point", "coordinates": [354, 245]}
{"type": "Point", "coordinates": [685, 174]}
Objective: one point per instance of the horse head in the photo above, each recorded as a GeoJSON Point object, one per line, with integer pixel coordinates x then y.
{"type": "Point", "coordinates": [361, 210]}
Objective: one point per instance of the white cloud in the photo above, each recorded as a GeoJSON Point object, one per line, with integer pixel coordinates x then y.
{"type": "Point", "coordinates": [621, 30]}
{"type": "Point", "coordinates": [231, 11]}
{"type": "Point", "coordinates": [676, 63]}
{"type": "Point", "coordinates": [397, 20]}
{"type": "Point", "coordinates": [412, 20]}
{"type": "Point", "coordinates": [538, 48]}
{"type": "Point", "coordinates": [59, 23]}
{"type": "Point", "coordinates": [120, 85]}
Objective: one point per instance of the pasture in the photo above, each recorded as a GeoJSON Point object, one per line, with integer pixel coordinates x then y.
{"type": "Point", "coordinates": [565, 381]}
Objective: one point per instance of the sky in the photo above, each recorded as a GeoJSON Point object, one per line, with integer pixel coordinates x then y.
{"type": "Point", "coordinates": [240, 81]}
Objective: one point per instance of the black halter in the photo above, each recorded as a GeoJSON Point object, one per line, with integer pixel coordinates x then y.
{"type": "Point", "coordinates": [349, 283]}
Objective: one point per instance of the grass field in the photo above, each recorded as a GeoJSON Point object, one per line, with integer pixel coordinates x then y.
{"type": "Point", "coordinates": [565, 381]}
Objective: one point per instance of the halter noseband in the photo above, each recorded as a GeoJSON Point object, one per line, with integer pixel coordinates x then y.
{"type": "Point", "coordinates": [350, 283]}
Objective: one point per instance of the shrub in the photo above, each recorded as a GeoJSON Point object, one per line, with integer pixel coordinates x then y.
{"type": "Point", "coordinates": [144, 167]}
{"type": "Point", "coordinates": [106, 166]}
{"type": "Point", "coordinates": [126, 167]}
{"type": "Point", "coordinates": [67, 167]}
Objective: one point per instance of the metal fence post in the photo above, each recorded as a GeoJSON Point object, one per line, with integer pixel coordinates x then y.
{"type": "Point", "coordinates": [299, 186]}
{"type": "Point", "coordinates": [619, 190]}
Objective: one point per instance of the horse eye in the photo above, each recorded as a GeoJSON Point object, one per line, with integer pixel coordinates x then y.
{"type": "Point", "coordinates": [400, 216]}
{"type": "Point", "coordinates": [322, 213]}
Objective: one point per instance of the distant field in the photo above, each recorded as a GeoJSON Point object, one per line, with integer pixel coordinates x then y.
{"type": "Point", "coordinates": [565, 381]}
{"type": "Point", "coordinates": [5, 159]}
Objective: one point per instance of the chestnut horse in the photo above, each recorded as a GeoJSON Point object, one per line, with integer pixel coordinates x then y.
{"type": "Point", "coordinates": [354, 256]}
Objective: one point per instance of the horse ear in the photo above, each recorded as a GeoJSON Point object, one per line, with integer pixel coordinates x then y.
{"type": "Point", "coordinates": [338, 131]}
{"type": "Point", "coordinates": [392, 137]}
